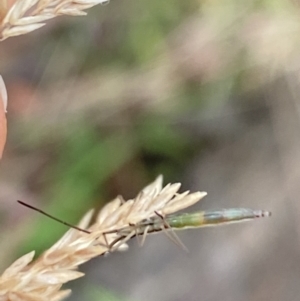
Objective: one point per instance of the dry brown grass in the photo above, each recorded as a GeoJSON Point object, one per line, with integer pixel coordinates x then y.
{"type": "Point", "coordinates": [42, 279]}
{"type": "Point", "coordinates": [27, 15]}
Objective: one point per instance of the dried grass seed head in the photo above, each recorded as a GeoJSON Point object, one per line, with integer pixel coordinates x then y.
{"type": "Point", "coordinates": [25, 16]}
{"type": "Point", "coordinates": [42, 279]}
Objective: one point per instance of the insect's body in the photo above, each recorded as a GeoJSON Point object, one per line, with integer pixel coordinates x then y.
{"type": "Point", "coordinates": [213, 217]}
{"type": "Point", "coordinates": [194, 220]}
{"type": "Point", "coordinates": [171, 222]}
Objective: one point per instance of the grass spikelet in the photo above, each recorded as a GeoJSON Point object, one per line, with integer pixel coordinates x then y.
{"type": "Point", "coordinates": [25, 16]}
{"type": "Point", "coordinates": [28, 280]}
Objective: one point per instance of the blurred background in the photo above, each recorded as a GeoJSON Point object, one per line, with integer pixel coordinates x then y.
{"type": "Point", "coordinates": [205, 93]}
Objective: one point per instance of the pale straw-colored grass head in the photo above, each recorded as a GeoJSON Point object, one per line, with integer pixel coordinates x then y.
{"type": "Point", "coordinates": [43, 278]}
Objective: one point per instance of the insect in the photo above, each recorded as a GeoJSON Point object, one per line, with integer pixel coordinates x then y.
{"type": "Point", "coordinates": [189, 221]}
{"type": "Point", "coordinates": [172, 222]}
{"type": "Point", "coordinates": [197, 219]}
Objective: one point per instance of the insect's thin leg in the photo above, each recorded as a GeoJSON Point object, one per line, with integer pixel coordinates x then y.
{"type": "Point", "coordinates": [105, 239]}
{"type": "Point", "coordinates": [120, 241]}
{"type": "Point", "coordinates": [53, 217]}
{"type": "Point", "coordinates": [114, 243]}
{"type": "Point", "coordinates": [104, 245]}
{"type": "Point", "coordinates": [159, 215]}
{"type": "Point", "coordinates": [144, 235]}
{"type": "Point", "coordinates": [136, 233]}
{"type": "Point", "coordinates": [171, 235]}
{"type": "Point", "coordinates": [175, 238]}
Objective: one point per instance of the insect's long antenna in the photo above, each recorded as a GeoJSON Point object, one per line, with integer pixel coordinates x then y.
{"type": "Point", "coordinates": [52, 217]}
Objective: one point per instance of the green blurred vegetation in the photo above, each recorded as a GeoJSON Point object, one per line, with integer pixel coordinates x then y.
{"type": "Point", "coordinates": [87, 157]}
